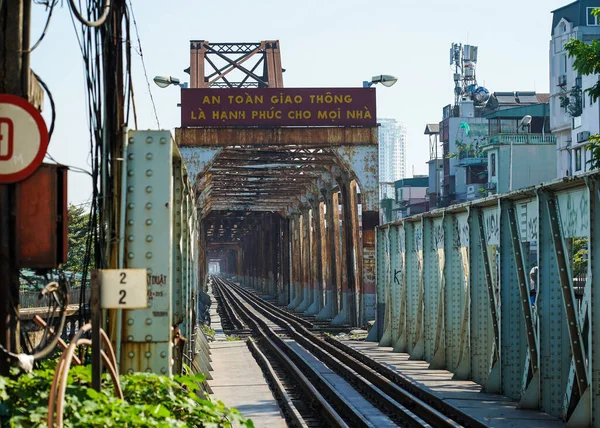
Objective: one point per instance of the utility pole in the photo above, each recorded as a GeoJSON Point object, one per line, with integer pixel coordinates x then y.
{"type": "Point", "coordinates": [15, 17]}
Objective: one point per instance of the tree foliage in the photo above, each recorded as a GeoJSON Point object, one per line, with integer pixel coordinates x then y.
{"type": "Point", "coordinates": [79, 232]}
{"type": "Point", "coordinates": [586, 62]}
{"type": "Point", "coordinates": [150, 401]}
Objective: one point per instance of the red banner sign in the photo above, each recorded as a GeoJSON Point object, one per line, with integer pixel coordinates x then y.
{"type": "Point", "coordinates": [278, 107]}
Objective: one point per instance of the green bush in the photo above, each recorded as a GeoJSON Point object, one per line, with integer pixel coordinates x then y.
{"type": "Point", "coordinates": [149, 401]}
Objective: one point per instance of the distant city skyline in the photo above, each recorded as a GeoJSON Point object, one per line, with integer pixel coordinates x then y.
{"type": "Point", "coordinates": [392, 153]}
{"type": "Point", "coordinates": [332, 57]}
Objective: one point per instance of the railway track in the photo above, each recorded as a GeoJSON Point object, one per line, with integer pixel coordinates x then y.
{"type": "Point", "coordinates": [393, 395]}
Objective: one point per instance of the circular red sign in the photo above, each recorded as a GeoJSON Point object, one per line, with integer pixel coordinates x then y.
{"type": "Point", "coordinates": [38, 158]}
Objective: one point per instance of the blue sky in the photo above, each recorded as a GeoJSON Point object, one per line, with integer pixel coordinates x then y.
{"type": "Point", "coordinates": [326, 43]}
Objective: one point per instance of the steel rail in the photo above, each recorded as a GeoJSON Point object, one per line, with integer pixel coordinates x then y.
{"type": "Point", "coordinates": [235, 321]}
{"type": "Point", "coordinates": [373, 393]}
{"type": "Point", "coordinates": [419, 401]}
{"type": "Point", "coordinates": [395, 377]}
{"type": "Point", "coordinates": [296, 367]}
{"type": "Point", "coordinates": [280, 392]}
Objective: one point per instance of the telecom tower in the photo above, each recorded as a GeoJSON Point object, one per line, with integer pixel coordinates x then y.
{"type": "Point", "coordinates": [464, 59]}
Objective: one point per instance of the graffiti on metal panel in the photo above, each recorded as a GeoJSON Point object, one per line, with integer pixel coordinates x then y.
{"type": "Point", "coordinates": [492, 229]}
{"type": "Point", "coordinates": [574, 212]}
{"type": "Point", "coordinates": [464, 235]}
{"type": "Point", "coordinates": [438, 234]}
{"type": "Point", "coordinates": [418, 237]}
{"type": "Point", "coordinates": [462, 231]}
{"type": "Point", "coordinates": [583, 214]}
{"type": "Point", "coordinates": [532, 229]}
{"type": "Point", "coordinates": [396, 272]}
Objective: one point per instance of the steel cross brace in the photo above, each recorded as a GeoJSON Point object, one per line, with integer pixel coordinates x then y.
{"type": "Point", "coordinates": [569, 301]}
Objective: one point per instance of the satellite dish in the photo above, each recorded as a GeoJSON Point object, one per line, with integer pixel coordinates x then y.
{"type": "Point", "coordinates": [481, 95]}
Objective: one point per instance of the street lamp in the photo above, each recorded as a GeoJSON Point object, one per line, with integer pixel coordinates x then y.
{"type": "Point", "coordinates": [525, 121]}
{"type": "Point", "coordinates": [164, 81]}
{"type": "Point", "coordinates": [384, 79]}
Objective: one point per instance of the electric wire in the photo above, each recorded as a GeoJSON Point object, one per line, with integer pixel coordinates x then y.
{"type": "Point", "coordinates": [44, 31]}
{"type": "Point", "coordinates": [52, 105]}
{"type": "Point", "coordinates": [141, 54]}
{"type": "Point", "coordinates": [100, 21]}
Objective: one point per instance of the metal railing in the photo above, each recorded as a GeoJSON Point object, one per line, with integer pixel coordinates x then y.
{"type": "Point", "coordinates": [30, 299]}
{"type": "Point", "coordinates": [521, 139]}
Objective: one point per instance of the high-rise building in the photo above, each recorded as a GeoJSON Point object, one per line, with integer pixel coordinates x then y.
{"type": "Point", "coordinates": [392, 154]}
{"type": "Point", "coordinates": [573, 114]}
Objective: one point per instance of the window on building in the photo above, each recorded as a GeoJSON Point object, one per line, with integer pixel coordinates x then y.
{"type": "Point", "coordinates": [591, 19]}
{"type": "Point", "coordinates": [563, 64]}
{"type": "Point", "coordinates": [578, 160]}
{"type": "Point", "coordinates": [563, 28]}
{"type": "Point", "coordinates": [493, 164]}
{"type": "Point", "coordinates": [508, 126]}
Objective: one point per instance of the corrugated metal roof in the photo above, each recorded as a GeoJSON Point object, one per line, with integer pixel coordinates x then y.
{"type": "Point", "coordinates": [527, 98]}
{"type": "Point", "coordinates": [543, 98]}
{"type": "Point", "coordinates": [412, 182]}
{"type": "Point", "coordinates": [432, 128]}
{"type": "Point", "coordinates": [505, 97]}
{"type": "Point", "coordinates": [536, 110]}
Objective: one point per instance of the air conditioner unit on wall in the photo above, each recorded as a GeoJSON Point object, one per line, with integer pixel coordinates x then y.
{"type": "Point", "coordinates": [562, 80]}
{"type": "Point", "coordinates": [583, 136]}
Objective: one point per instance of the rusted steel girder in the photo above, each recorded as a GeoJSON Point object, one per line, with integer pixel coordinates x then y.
{"type": "Point", "coordinates": [250, 137]}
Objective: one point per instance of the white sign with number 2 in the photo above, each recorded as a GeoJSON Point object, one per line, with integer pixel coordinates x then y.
{"type": "Point", "coordinates": [123, 288]}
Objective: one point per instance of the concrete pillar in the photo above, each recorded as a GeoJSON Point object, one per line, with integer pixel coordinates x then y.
{"type": "Point", "coordinates": [350, 242]}
{"type": "Point", "coordinates": [317, 258]}
{"type": "Point", "coordinates": [331, 255]}
{"type": "Point", "coordinates": [306, 279]}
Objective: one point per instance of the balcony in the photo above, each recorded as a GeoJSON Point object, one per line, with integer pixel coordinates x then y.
{"type": "Point", "coordinates": [520, 139]}
{"type": "Point", "coordinates": [471, 158]}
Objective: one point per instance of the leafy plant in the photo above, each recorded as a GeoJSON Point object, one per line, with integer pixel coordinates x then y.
{"type": "Point", "coordinates": [572, 102]}
{"type": "Point", "coordinates": [150, 401]}
{"type": "Point", "coordinates": [587, 62]}
{"type": "Point", "coordinates": [580, 256]}
{"type": "Point", "coordinates": [208, 331]}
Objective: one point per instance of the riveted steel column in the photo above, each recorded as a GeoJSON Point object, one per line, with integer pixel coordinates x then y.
{"type": "Point", "coordinates": [523, 289]}
{"type": "Point", "coordinates": [579, 366]}
{"type": "Point", "coordinates": [367, 308]}
{"type": "Point", "coordinates": [485, 316]}
{"type": "Point", "coordinates": [305, 242]}
{"type": "Point", "coordinates": [330, 254]}
{"type": "Point", "coordinates": [357, 291]}
{"type": "Point", "coordinates": [177, 242]}
{"type": "Point", "coordinates": [554, 353]}
{"type": "Point", "coordinates": [513, 339]}
{"type": "Point", "coordinates": [594, 278]}
{"type": "Point", "coordinates": [284, 278]}
{"type": "Point", "coordinates": [384, 286]}
{"type": "Point", "coordinates": [317, 259]}
{"type": "Point", "coordinates": [350, 246]}
{"type": "Point", "coordinates": [147, 342]}
{"type": "Point", "coordinates": [275, 248]}
{"type": "Point", "coordinates": [296, 256]}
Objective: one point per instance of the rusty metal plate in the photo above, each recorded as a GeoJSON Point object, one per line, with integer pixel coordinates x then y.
{"type": "Point", "coordinates": [304, 137]}
{"type": "Point", "coordinates": [41, 218]}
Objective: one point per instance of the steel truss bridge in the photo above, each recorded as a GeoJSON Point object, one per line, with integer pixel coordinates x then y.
{"type": "Point", "coordinates": [293, 212]}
